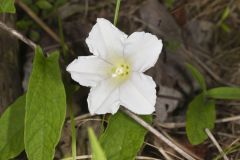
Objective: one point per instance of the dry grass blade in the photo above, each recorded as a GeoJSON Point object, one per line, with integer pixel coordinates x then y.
{"type": "Point", "coordinates": [167, 152]}
{"type": "Point", "coordinates": [165, 155]}
{"type": "Point", "coordinates": [216, 143]}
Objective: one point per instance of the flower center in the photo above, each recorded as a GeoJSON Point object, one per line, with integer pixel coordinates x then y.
{"type": "Point", "coordinates": [121, 71]}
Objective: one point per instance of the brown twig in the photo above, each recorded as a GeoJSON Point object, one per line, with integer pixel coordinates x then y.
{"type": "Point", "coordinates": [82, 117]}
{"type": "Point", "coordinates": [177, 143]}
{"type": "Point", "coordinates": [157, 134]}
{"type": "Point", "coordinates": [38, 21]}
{"type": "Point", "coordinates": [146, 158]}
{"type": "Point", "coordinates": [170, 97]}
{"type": "Point", "coordinates": [167, 152]}
{"type": "Point", "coordinates": [172, 125]}
{"type": "Point", "coordinates": [18, 35]}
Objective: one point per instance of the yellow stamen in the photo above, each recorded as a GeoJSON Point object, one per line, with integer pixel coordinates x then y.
{"type": "Point", "coordinates": [121, 71]}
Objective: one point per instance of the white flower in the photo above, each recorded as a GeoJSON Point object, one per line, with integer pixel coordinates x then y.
{"type": "Point", "coordinates": [115, 70]}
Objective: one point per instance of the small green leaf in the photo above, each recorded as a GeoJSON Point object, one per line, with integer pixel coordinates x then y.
{"type": "Point", "coordinates": [58, 3]}
{"type": "Point", "coordinates": [44, 4]}
{"type": "Point", "coordinates": [225, 27]}
{"type": "Point", "coordinates": [232, 93]}
{"type": "Point", "coordinates": [24, 24]}
{"type": "Point", "coordinates": [7, 6]}
{"type": "Point", "coordinates": [97, 151]}
{"type": "Point", "coordinates": [169, 3]}
{"type": "Point", "coordinates": [12, 129]}
{"type": "Point", "coordinates": [197, 76]}
{"type": "Point", "coordinates": [34, 35]}
{"type": "Point", "coordinates": [45, 107]}
{"type": "Point", "coordinates": [123, 137]}
{"type": "Point", "coordinates": [172, 45]}
{"type": "Point", "coordinates": [28, 2]}
{"type": "Point", "coordinates": [225, 14]}
{"type": "Point", "coordinates": [201, 114]}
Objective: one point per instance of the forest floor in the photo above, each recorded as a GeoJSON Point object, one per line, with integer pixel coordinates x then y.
{"type": "Point", "coordinates": [208, 29]}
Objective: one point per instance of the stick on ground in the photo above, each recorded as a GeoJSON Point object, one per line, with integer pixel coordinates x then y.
{"type": "Point", "coordinates": [157, 134]}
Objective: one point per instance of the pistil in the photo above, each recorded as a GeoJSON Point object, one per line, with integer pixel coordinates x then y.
{"type": "Point", "coordinates": [121, 71]}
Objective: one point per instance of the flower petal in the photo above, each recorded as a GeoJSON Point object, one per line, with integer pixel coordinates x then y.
{"type": "Point", "coordinates": [89, 70]}
{"type": "Point", "coordinates": [142, 50]}
{"type": "Point", "coordinates": [138, 94]}
{"type": "Point", "coordinates": [105, 40]}
{"type": "Point", "coordinates": [104, 98]}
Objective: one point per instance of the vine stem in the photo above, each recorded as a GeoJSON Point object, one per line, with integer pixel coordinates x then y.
{"type": "Point", "coordinates": [118, 2]}
{"type": "Point", "coordinates": [73, 130]}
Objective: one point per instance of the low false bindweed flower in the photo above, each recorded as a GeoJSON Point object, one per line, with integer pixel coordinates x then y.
{"type": "Point", "coordinates": [115, 70]}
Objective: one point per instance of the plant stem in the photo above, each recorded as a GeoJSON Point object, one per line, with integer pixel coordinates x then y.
{"type": "Point", "coordinates": [72, 118]}
{"type": "Point", "coordinates": [64, 46]}
{"type": "Point", "coordinates": [73, 130]}
{"type": "Point", "coordinates": [102, 124]}
{"type": "Point", "coordinates": [117, 11]}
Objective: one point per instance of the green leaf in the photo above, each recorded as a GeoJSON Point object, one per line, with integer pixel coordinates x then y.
{"type": "Point", "coordinates": [225, 27]}
{"type": "Point", "coordinates": [169, 3]}
{"type": "Point", "coordinates": [123, 137]}
{"type": "Point", "coordinates": [45, 107]}
{"type": "Point", "coordinates": [44, 4]}
{"type": "Point", "coordinates": [97, 151]}
{"type": "Point", "coordinates": [201, 114]}
{"type": "Point", "coordinates": [7, 6]}
{"type": "Point", "coordinates": [58, 3]}
{"type": "Point", "coordinates": [12, 129]}
{"type": "Point", "coordinates": [34, 35]}
{"type": "Point", "coordinates": [28, 2]}
{"type": "Point", "coordinates": [24, 24]}
{"type": "Point", "coordinates": [197, 76]}
{"type": "Point", "coordinates": [225, 14]}
{"type": "Point", "coordinates": [232, 93]}
{"type": "Point", "coordinates": [172, 45]}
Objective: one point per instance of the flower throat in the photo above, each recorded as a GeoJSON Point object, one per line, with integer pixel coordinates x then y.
{"type": "Point", "coordinates": [121, 71]}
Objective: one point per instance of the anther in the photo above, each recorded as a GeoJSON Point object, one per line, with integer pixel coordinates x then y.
{"type": "Point", "coordinates": [121, 70]}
